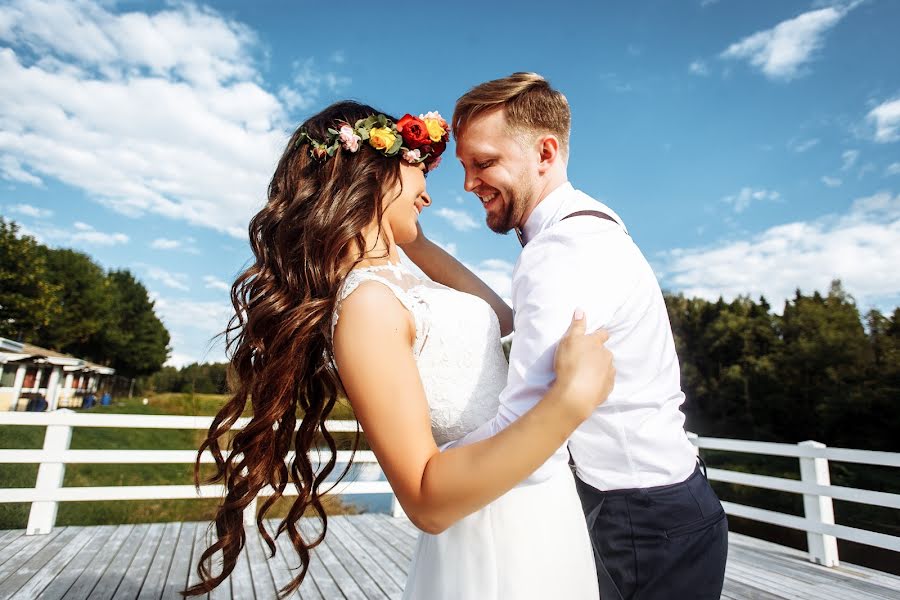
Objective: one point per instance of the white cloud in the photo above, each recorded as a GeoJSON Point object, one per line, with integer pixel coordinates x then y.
{"type": "Point", "coordinates": [193, 326]}
{"type": "Point", "coordinates": [698, 67]}
{"type": "Point", "coordinates": [81, 234]}
{"type": "Point", "coordinates": [886, 118]}
{"type": "Point", "coordinates": [177, 281]}
{"type": "Point", "coordinates": [159, 113]}
{"type": "Point", "coordinates": [215, 283]}
{"type": "Point", "coordinates": [892, 169]}
{"type": "Point", "coordinates": [742, 200]}
{"type": "Point", "coordinates": [11, 170]}
{"type": "Point", "coordinates": [28, 210]}
{"type": "Point", "coordinates": [831, 181]}
{"type": "Point", "coordinates": [849, 157]}
{"type": "Point", "coordinates": [309, 81]}
{"type": "Point", "coordinates": [861, 247]}
{"type": "Point", "coordinates": [458, 219]}
{"type": "Point", "coordinates": [164, 244]}
{"type": "Point", "coordinates": [782, 51]}
{"type": "Point", "coordinates": [497, 274]}
{"type": "Point", "coordinates": [801, 146]}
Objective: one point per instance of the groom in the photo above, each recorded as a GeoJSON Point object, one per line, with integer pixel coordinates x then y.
{"type": "Point", "coordinates": [657, 527]}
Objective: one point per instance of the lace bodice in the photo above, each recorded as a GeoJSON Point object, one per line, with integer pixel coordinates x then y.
{"type": "Point", "coordinates": [457, 348]}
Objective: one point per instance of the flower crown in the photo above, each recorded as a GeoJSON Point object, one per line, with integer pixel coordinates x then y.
{"type": "Point", "coordinates": [416, 139]}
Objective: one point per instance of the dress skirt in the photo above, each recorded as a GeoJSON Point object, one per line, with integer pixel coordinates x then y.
{"type": "Point", "coordinates": [531, 543]}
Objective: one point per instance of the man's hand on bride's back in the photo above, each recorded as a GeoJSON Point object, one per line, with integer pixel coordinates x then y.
{"type": "Point", "coordinates": [584, 367]}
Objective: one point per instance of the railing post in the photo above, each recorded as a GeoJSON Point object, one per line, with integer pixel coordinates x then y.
{"type": "Point", "coordinates": [250, 514]}
{"type": "Point", "coordinates": [822, 548]}
{"type": "Point", "coordinates": [693, 436]}
{"type": "Point", "coordinates": [396, 510]}
{"type": "Point", "coordinates": [42, 517]}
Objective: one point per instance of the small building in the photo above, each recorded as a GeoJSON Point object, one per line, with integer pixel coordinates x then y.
{"type": "Point", "coordinates": [31, 373]}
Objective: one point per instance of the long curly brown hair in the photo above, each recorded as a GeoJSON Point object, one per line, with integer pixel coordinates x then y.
{"type": "Point", "coordinates": [305, 241]}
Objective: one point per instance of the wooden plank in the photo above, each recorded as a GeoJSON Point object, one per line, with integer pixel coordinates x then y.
{"type": "Point", "coordinates": [386, 573]}
{"type": "Point", "coordinates": [318, 583]}
{"type": "Point", "coordinates": [394, 538]}
{"type": "Point", "coordinates": [70, 574]}
{"type": "Point", "coordinates": [22, 549]}
{"type": "Point", "coordinates": [197, 548]}
{"type": "Point", "coordinates": [177, 577]}
{"type": "Point", "coordinates": [400, 560]}
{"type": "Point", "coordinates": [60, 562]}
{"type": "Point", "coordinates": [404, 526]}
{"type": "Point", "coordinates": [135, 573]}
{"type": "Point", "coordinates": [355, 566]}
{"type": "Point", "coordinates": [336, 570]}
{"type": "Point", "coordinates": [263, 583]}
{"type": "Point", "coordinates": [118, 567]}
{"type": "Point", "coordinates": [92, 573]}
{"type": "Point", "coordinates": [278, 566]}
{"type": "Point", "coordinates": [30, 568]}
{"type": "Point", "coordinates": [737, 590]}
{"type": "Point", "coordinates": [159, 567]}
{"type": "Point", "coordinates": [241, 579]}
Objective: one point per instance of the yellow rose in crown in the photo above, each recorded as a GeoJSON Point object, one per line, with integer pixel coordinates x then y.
{"type": "Point", "coordinates": [435, 129]}
{"type": "Point", "coordinates": [381, 138]}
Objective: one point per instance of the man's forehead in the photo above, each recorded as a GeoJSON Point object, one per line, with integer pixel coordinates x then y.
{"type": "Point", "coordinates": [484, 133]}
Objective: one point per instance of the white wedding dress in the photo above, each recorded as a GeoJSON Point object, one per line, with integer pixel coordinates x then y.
{"type": "Point", "coordinates": [532, 542]}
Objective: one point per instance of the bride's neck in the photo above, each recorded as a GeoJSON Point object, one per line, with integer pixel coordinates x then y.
{"type": "Point", "coordinates": [380, 248]}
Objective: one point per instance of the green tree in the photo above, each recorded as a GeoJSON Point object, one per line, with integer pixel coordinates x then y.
{"type": "Point", "coordinates": [823, 362]}
{"type": "Point", "coordinates": [84, 300]}
{"type": "Point", "coordinates": [135, 342]}
{"type": "Point", "coordinates": [28, 301]}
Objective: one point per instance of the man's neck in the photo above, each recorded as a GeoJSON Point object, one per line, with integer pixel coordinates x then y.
{"type": "Point", "coordinates": [545, 189]}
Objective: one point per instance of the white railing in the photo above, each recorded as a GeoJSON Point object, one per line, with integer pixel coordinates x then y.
{"type": "Point", "coordinates": [55, 455]}
{"type": "Point", "coordinates": [815, 486]}
{"type": "Point", "coordinates": [814, 483]}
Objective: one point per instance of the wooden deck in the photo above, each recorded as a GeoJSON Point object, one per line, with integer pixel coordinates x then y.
{"type": "Point", "coordinates": [364, 557]}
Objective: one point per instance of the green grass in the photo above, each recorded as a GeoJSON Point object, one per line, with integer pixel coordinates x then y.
{"type": "Point", "coordinates": [15, 516]}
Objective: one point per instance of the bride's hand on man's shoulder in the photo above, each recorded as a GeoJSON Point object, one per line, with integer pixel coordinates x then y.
{"type": "Point", "coordinates": [584, 366]}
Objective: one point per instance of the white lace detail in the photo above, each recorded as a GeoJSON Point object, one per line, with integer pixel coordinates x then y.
{"type": "Point", "coordinates": [457, 348]}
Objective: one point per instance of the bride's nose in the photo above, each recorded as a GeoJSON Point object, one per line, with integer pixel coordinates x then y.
{"type": "Point", "coordinates": [426, 199]}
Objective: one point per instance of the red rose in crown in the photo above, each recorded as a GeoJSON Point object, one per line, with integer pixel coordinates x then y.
{"type": "Point", "coordinates": [413, 130]}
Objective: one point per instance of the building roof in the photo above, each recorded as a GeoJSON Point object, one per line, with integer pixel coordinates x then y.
{"type": "Point", "coordinates": [11, 351]}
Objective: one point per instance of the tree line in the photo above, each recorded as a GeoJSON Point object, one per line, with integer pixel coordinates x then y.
{"type": "Point", "coordinates": [818, 371]}
{"type": "Point", "coordinates": [60, 299]}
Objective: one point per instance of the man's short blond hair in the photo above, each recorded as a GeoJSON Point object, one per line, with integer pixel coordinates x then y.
{"type": "Point", "coordinates": [530, 104]}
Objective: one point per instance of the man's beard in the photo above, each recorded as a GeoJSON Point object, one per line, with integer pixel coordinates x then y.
{"type": "Point", "coordinates": [514, 204]}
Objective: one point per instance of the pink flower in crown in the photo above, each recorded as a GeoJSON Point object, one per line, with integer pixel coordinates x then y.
{"type": "Point", "coordinates": [412, 156]}
{"type": "Point", "coordinates": [434, 164]}
{"type": "Point", "coordinates": [349, 139]}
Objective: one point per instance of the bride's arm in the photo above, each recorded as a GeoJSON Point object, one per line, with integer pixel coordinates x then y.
{"type": "Point", "coordinates": [373, 344]}
{"type": "Point", "coordinates": [443, 268]}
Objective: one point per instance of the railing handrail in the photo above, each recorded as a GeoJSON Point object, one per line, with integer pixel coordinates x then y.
{"type": "Point", "coordinates": [814, 485]}
{"type": "Point", "coordinates": [850, 455]}
{"type": "Point", "coordinates": [73, 419]}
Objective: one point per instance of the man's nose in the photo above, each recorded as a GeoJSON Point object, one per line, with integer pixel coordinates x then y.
{"type": "Point", "coordinates": [470, 182]}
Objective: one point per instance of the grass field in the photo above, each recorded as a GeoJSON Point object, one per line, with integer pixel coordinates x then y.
{"type": "Point", "coordinates": [15, 516]}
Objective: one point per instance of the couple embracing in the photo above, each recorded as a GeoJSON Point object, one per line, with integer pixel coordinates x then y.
{"type": "Point", "coordinates": [477, 449]}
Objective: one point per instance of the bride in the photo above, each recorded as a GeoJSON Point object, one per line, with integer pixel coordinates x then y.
{"type": "Point", "coordinates": [328, 307]}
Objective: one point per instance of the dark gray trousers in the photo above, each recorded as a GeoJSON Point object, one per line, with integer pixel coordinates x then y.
{"type": "Point", "coordinates": [658, 543]}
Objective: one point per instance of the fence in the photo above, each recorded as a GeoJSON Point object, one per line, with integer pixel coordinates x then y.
{"type": "Point", "coordinates": [814, 484]}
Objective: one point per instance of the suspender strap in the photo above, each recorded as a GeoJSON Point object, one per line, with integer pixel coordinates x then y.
{"type": "Point", "coordinates": [592, 213]}
{"type": "Point", "coordinates": [580, 213]}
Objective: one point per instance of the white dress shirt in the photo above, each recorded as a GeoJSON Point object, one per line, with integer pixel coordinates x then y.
{"type": "Point", "coordinates": [636, 438]}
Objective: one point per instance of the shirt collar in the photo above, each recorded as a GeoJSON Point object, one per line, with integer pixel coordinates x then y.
{"type": "Point", "coordinates": [542, 216]}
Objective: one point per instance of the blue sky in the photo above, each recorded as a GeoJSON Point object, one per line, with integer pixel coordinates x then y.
{"type": "Point", "coordinates": [751, 147]}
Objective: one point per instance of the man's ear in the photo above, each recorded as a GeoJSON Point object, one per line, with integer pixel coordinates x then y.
{"type": "Point", "coordinates": [548, 152]}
